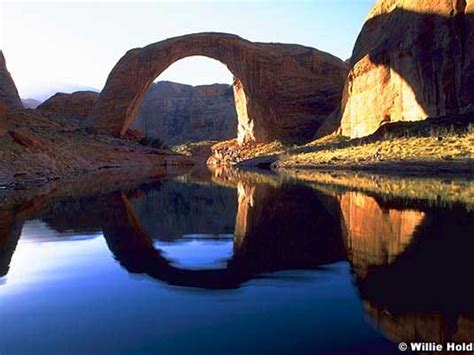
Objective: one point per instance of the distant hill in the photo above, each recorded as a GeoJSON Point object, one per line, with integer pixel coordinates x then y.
{"type": "Point", "coordinates": [43, 93]}
{"type": "Point", "coordinates": [30, 103]}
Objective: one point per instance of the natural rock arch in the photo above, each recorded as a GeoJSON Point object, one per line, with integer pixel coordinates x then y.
{"type": "Point", "coordinates": [283, 91]}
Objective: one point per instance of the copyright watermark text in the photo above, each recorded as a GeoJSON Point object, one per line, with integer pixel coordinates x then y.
{"type": "Point", "coordinates": [437, 347]}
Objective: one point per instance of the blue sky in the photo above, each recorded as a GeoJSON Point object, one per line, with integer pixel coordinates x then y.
{"type": "Point", "coordinates": [52, 45]}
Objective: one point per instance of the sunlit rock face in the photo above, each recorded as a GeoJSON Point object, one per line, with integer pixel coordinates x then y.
{"type": "Point", "coordinates": [79, 103]}
{"type": "Point", "coordinates": [375, 235]}
{"type": "Point", "coordinates": [412, 59]}
{"type": "Point", "coordinates": [177, 113]}
{"type": "Point", "coordinates": [8, 91]}
{"type": "Point", "coordinates": [245, 128]}
{"type": "Point", "coordinates": [289, 89]}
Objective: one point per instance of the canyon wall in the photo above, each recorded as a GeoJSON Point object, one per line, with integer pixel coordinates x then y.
{"type": "Point", "coordinates": [3, 119]}
{"type": "Point", "coordinates": [8, 91]}
{"type": "Point", "coordinates": [177, 113]}
{"type": "Point", "coordinates": [9, 99]}
{"type": "Point", "coordinates": [413, 59]}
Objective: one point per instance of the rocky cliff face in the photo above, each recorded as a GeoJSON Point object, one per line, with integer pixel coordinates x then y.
{"type": "Point", "coordinates": [177, 113]}
{"type": "Point", "coordinates": [3, 119]}
{"type": "Point", "coordinates": [413, 59]}
{"type": "Point", "coordinates": [79, 103]}
{"type": "Point", "coordinates": [8, 91]}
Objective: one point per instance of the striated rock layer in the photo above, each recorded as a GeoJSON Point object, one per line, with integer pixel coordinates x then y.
{"type": "Point", "coordinates": [8, 91]}
{"type": "Point", "coordinates": [413, 59]}
{"type": "Point", "coordinates": [177, 113]}
{"type": "Point", "coordinates": [79, 103]}
{"type": "Point", "coordinates": [288, 90]}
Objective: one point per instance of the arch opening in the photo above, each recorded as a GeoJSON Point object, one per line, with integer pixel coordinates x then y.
{"type": "Point", "coordinates": [195, 99]}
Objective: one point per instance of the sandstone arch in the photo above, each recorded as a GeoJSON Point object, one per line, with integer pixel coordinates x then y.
{"type": "Point", "coordinates": [284, 91]}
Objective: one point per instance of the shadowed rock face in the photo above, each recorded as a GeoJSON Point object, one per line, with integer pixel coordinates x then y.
{"type": "Point", "coordinates": [177, 113]}
{"type": "Point", "coordinates": [288, 89]}
{"type": "Point", "coordinates": [8, 91]}
{"type": "Point", "coordinates": [413, 59]}
{"type": "Point", "coordinates": [3, 119]}
{"type": "Point", "coordinates": [79, 103]}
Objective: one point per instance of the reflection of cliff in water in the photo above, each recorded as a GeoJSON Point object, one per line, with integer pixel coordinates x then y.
{"type": "Point", "coordinates": [410, 259]}
{"type": "Point", "coordinates": [172, 209]}
{"type": "Point", "coordinates": [426, 293]}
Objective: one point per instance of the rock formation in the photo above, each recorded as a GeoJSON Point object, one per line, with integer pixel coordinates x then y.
{"type": "Point", "coordinates": [46, 145]}
{"type": "Point", "coordinates": [3, 119]}
{"type": "Point", "coordinates": [8, 91]}
{"type": "Point", "coordinates": [177, 113]}
{"type": "Point", "coordinates": [413, 59]}
{"type": "Point", "coordinates": [79, 103]}
{"type": "Point", "coordinates": [288, 90]}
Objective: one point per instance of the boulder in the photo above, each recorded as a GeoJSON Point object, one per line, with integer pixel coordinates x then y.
{"type": "Point", "coordinates": [8, 91]}
{"type": "Point", "coordinates": [79, 103]}
{"type": "Point", "coordinates": [413, 59]}
{"type": "Point", "coordinates": [289, 90]}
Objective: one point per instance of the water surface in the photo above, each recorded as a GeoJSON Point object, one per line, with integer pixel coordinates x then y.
{"type": "Point", "coordinates": [231, 264]}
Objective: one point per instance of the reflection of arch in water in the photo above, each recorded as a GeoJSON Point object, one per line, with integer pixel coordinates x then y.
{"type": "Point", "coordinates": [267, 239]}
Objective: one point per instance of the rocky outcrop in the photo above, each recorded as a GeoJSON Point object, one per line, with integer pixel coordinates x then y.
{"type": "Point", "coordinates": [3, 119]}
{"type": "Point", "coordinates": [413, 59]}
{"type": "Point", "coordinates": [177, 113]}
{"type": "Point", "coordinates": [79, 103]}
{"type": "Point", "coordinates": [45, 146]}
{"type": "Point", "coordinates": [288, 89]}
{"type": "Point", "coordinates": [8, 91]}
{"type": "Point", "coordinates": [29, 139]}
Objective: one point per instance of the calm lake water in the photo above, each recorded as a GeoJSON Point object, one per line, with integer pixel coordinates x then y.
{"type": "Point", "coordinates": [250, 264]}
